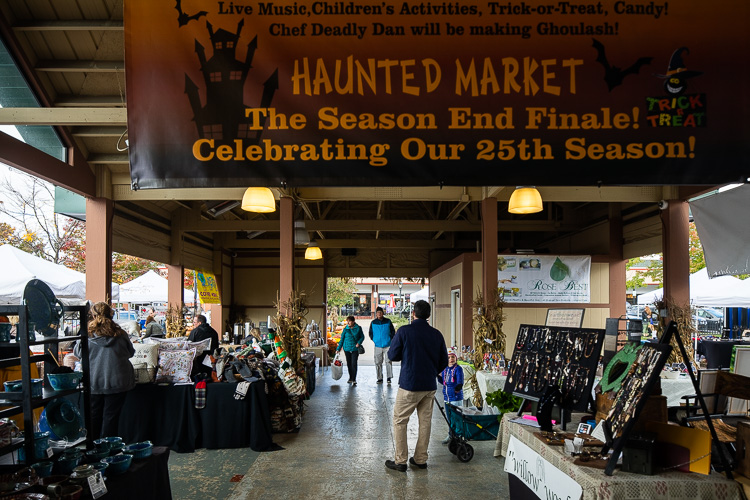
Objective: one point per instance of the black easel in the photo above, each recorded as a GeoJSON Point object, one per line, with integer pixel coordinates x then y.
{"type": "Point", "coordinates": [667, 339]}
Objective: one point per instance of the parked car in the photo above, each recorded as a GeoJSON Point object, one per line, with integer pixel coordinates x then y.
{"type": "Point", "coordinates": [708, 320]}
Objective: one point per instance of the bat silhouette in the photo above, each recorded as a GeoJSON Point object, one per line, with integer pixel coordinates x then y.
{"type": "Point", "coordinates": [183, 19]}
{"type": "Point", "coordinates": [612, 74]}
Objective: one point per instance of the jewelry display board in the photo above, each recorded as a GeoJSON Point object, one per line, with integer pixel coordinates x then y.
{"type": "Point", "coordinates": [632, 396]}
{"type": "Point", "coordinates": [546, 356]}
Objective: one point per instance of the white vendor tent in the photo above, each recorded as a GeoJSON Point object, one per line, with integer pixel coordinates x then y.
{"type": "Point", "coordinates": [723, 291]}
{"type": "Point", "coordinates": [423, 294]}
{"type": "Point", "coordinates": [19, 267]}
{"type": "Point", "coordinates": [148, 288]}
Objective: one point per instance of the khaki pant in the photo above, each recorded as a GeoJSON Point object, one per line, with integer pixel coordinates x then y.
{"type": "Point", "coordinates": [381, 354]}
{"type": "Point", "coordinates": [406, 403]}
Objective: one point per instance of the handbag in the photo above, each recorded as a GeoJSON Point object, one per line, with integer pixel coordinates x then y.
{"type": "Point", "coordinates": [361, 349]}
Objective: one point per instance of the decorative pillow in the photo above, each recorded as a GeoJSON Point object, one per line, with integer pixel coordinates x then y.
{"type": "Point", "coordinates": [174, 344]}
{"type": "Point", "coordinates": [200, 347]}
{"type": "Point", "coordinates": [175, 366]}
{"type": "Point", "coordinates": [146, 353]}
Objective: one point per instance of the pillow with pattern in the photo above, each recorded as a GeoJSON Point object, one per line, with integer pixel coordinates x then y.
{"type": "Point", "coordinates": [175, 366]}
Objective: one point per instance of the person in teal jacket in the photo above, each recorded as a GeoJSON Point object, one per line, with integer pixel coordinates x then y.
{"type": "Point", "coordinates": [351, 338]}
{"type": "Point", "coordinates": [381, 333]}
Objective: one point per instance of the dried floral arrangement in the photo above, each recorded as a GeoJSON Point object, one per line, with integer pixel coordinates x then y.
{"type": "Point", "coordinates": [487, 324]}
{"type": "Point", "coordinates": [291, 321]}
{"type": "Point", "coordinates": [175, 322]}
{"type": "Point", "coordinates": [683, 316]}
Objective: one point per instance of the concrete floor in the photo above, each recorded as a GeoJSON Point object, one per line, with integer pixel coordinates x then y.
{"type": "Point", "coordinates": [346, 436]}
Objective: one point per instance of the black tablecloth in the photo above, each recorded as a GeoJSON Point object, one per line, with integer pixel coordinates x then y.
{"type": "Point", "coordinates": [166, 416]}
{"type": "Point", "coordinates": [146, 479]}
{"type": "Point", "coordinates": [230, 423]}
{"type": "Point", "coordinates": [718, 352]}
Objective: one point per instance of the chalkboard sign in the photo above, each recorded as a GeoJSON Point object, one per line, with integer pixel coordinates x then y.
{"type": "Point", "coordinates": [545, 356]}
{"type": "Point", "coordinates": [570, 318]}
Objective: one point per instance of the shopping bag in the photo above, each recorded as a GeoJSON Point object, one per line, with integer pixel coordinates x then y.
{"type": "Point", "coordinates": [337, 368]}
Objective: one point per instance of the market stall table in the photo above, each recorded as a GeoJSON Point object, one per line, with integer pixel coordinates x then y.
{"type": "Point", "coordinates": [166, 416]}
{"type": "Point", "coordinates": [321, 352]}
{"type": "Point", "coordinates": [146, 478]}
{"type": "Point", "coordinates": [490, 382]}
{"type": "Point", "coordinates": [598, 486]}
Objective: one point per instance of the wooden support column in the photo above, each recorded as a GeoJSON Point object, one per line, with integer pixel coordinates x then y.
{"type": "Point", "coordinates": [286, 250]}
{"type": "Point", "coordinates": [217, 310]}
{"type": "Point", "coordinates": [675, 245]}
{"type": "Point", "coordinates": [175, 285]}
{"type": "Point", "coordinates": [489, 248]}
{"type": "Point", "coordinates": [617, 265]}
{"type": "Point", "coordinates": [99, 214]}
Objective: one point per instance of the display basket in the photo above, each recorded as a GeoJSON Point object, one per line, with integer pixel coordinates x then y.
{"type": "Point", "coordinates": [472, 427]}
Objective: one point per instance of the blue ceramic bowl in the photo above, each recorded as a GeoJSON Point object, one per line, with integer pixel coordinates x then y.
{"type": "Point", "coordinates": [41, 443]}
{"type": "Point", "coordinates": [64, 381]}
{"type": "Point", "coordinates": [96, 455]}
{"type": "Point", "coordinates": [102, 444]}
{"type": "Point", "coordinates": [17, 386]}
{"type": "Point", "coordinates": [118, 463]}
{"type": "Point", "coordinates": [42, 469]}
{"type": "Point", "coordinates": [63, 420]}
{"type": "Point", "coordinates": [66, 463]}
{"type": "Point", "coordinates": [113, 440]}
{"type": "Point", "coordinates": [139, 450]}
{"type": "Point", "coordinates": [100, 466]}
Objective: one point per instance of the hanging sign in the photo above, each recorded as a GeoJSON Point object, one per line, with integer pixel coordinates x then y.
{"type": "Point", "coordinates": [540, 476]}
{"type": "Point", "coordinates": [208, 290]}
{"type": "Point", "coordinates": [415, 93]}
{"type": "Point", "coordinates": [544, 278]}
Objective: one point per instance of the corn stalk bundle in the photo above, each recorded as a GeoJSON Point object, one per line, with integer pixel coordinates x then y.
{"type": "Point", "coordinates": [291, 320]}
{"type": "Point", "coordinates": [175, 322]}
{"type": "Point", "coordinates": [683, 316]}
{"type": "Point", "coordinates": [487, 324]}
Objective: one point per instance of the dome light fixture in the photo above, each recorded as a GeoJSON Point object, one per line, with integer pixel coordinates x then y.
{"type": "Point", "coordinates": [259, 200]}
{"type": "Point", "coordinates": [313, 252]}
{"type": "Point", "coordinates": [525, 200]}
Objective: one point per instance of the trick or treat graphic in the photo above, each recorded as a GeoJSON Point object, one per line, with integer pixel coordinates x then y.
{"type": "Point", "coordinates": [222, 118]}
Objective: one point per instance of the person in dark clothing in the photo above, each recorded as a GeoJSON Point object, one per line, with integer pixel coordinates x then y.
{"type": "Point", "coordinates": [381, 333]}
{"type": "Point", "coordinates": [202, 332]}
{"type": "Point", "coordinates": [110, 370]}
{"type": "Point", "coordinates": [423, 355]}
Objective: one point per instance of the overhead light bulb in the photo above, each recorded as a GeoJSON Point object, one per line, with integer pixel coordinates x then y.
{"type": "Point", "coordinates": [313, 252]}
{"type": "Point", "coordinates": [258, 199]}
{"type": "Point", "coordinates": [525, 200]}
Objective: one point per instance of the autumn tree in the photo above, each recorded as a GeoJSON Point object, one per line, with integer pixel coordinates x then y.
{"type": "Point", "coordinates": [340, 292]}
{"type": "Point", "coordinates": [28, 242]}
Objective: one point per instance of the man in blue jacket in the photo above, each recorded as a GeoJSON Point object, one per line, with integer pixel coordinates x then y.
{"type": "Point", "coordinates": [381, 333]}
{"type": "Point", "coordinates": [422, 352]}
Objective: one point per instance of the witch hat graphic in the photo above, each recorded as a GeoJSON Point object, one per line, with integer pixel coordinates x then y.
{"type": "Point", "coordinates": [677, 73]}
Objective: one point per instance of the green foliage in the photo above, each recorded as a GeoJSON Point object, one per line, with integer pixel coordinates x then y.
{"type": "Point", "coordinates": [637, 280]}
{"type": "Point", "coordinates": [397, 320]}
{"type": "Point", "coordinates": [340, 291]}
{"type": "Point", "coordinates": [504, 402]}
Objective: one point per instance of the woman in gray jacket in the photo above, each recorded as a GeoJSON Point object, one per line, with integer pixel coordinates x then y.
{"type": "Point", "coordinates": [110, 370]}
{"type": "Point", "coordinates": [152, 328]}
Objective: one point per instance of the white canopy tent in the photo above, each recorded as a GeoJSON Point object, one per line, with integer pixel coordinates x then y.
{"type": "Point", "coordinates": [723, 291]}
{"type": "Point", "coordinates": [19, 267]}
{"type": "Point", "coordinates": [423, 294]}
{"type": "Point", "coordinates": [149, 288]}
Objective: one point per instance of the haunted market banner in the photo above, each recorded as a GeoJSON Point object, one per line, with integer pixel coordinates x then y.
{"type": "Point", "coordinates": [409, 93]}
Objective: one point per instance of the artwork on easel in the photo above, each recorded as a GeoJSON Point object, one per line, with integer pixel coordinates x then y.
{"type": "Point", "coordinates": [632, 396]}
{"type": "Point", "coordinates": [546, 357]}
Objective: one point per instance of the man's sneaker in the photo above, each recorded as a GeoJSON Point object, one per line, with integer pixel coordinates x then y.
{"type": "Point", "coordinates": [380, 381]}
{"type": "Point", "coordinates": [415, 464]}
{"type": "Point", "coordinates": [389, 381]}
{"type": "Point", "coordinates": [394, 466]}
{"type": "Point", "coordinates": [349, 381]}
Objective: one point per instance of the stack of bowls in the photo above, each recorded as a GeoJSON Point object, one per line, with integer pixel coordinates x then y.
{"type": "Point", "coordinates": [139, 450]}
{"type": "Point", "coordinates": [118, 463]}
{"type": "Point", "coordinates": [115, 444]}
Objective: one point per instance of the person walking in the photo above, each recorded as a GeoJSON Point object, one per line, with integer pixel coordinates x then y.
{"type": "Point", "coordinates": [423, 355]}
{"type": "Point", "coordinates": [110, 370]}
{"type": "Point", "coordinates": [647, 319]}
{"type": "Point", "coordinates": [381, 333]}
{"type": "Point", "coordinates": [351, 339]}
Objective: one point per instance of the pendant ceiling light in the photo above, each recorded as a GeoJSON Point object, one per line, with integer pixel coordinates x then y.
{"type": "Point", "coordinates": [258, 199]}
{"type": "Point", "coordinates": [525, 200]}
{"type": "Point", "coordinates": [313, 252]}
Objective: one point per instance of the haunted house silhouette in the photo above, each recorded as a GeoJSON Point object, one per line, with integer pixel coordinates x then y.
{"type": "Point", "coordinates": [223, 117]}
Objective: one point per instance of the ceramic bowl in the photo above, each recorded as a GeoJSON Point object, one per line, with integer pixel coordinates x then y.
{"type": "Point", "coordinates": [64, 381]}
{"type": "Point", "coordinates": [118, 463]}
{"type": "Point", "coordinates": [43, 469]}
{"type": "Point", "coordinates": [139, 450]}
{"type": "Point", "coordinates": [66, 464]}
{"type": "Point", "coordinates": [95, 455]}
{"type": "Point", "coordinates": [63, 420]}
{"type": "Point", "coordinates": [17, 386]}
{"type": "Point", "coordinates": [41, 443]}
{"type": "Point", "coordinates": [102, 444]}
{"type": "Point", "coordinates": [100, 466]}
